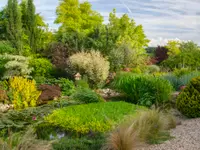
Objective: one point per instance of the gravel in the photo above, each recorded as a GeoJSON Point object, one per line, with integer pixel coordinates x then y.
{"type": "Point", "coordinates": [186, 137]}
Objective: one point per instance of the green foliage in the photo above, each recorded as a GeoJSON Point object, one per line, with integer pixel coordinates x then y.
{"type": "Point", "coordinates": [82, 84]}
{"type": "Point", "coordinates": [6, 47]}
{"type": "Point", "coordinates": [173, 47]}
{"type": "Point", "coordinates": [15, 65]}
{"type": "Point", "coordinates": [174, 81]}
{"type": "Point", "coordinates": [189, 46]}
{"type": "Point", "coordinates": [77, 21]}
{"type": "Point", "coordinates": [19, 120]}
{"type": "Point", "coordinates": [143, 90]}
{"type": "Point", "coordinates": [83, 143]}
{"type": "Point", "coordinates": [92, 64]}
{"type": "Point", "coordinates": [41, 67]}
{"type": "Point", "coordinates": [188, 102]}
{"type": "Point", "coordinates": [95, 117]}
{"type": "Point", "coordinates": [188, 58]}
{"type": "Point", "coordinates": [126, 32]}
{"type": "Point", "coordinates": [86, 95]}
{"type": "Point", "coordinates": [14, 24]}
{"type": "Point", "coordinates": [180, 72]}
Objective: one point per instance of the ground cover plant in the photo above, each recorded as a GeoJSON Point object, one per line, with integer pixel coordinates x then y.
{"type": "Point", "coordinates": [97, 117]}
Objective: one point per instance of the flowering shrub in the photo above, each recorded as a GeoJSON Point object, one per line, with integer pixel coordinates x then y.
{"type": "Point", "coordinates": [93, 64]}
{"type": "Point", "coordinates": [24, 92]}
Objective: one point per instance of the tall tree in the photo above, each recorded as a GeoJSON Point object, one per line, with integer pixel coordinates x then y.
{"type": "Point", "coordinates": [14, 24]}
{"type": "Point", "coordinates": [77, 21]}
{"type": "Point", "coordinates": [31, 24]}
{"type": "Point", "coordinates": [3, 24]}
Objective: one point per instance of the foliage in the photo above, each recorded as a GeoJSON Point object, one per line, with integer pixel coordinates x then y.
{"type": "Point", "coordinates": [188, 102]}
{"type": "Point", "coordinates": [82, 83]}
{"type": "Point", "coordinates": [188, 58]}
{"type": "Point", "coordinates": [173, 47]}
{"type": "Point", "coordinates": [6, 47]}
{"type": "Point", "coordinates": [23, 141]}
{"type": "Point", "coordinates": [161, 54]}
{"type": "Point", "coordinates": [24, 92]}
{"type": "Point", "coordinates": [86, 95]}
{"type": "Point", "coordinates": [83, 143]}
{"type": "Point", "coordinates": [152, 69]}
{"type": "Point", "coordinates": [126, 32]}
{"type": "Point", "coordinates": [77, 21]}
{"type": "Point", "coordinates": [180, 72]}
{"type": "Point", "coordinates": [181, 78]}
{"type": "Point", "coordinates": [145, 127]}
{"type": "Point", "coordinates": [143, 90]}
{"type": "Point", "coordinates": [97, 117]}
{"type": "Point", "coordinates": [58, 54]}
{"type": "Point", "coordinates": [14, 24]}
{"type": "Point", "coordinates": [41, 67]}
{"type": "Point", "coordinates": [15, 65]}
{"type": "Point", "coordinates": [189, 46]}
{"type": "Point", "coordinates": [92, 64]}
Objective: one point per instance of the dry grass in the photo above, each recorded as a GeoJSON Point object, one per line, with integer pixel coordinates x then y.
{"type": "Point", "coordinates": [145, 127]}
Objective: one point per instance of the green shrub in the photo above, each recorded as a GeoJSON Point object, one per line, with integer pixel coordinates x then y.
{"type": "Point", "coordinates": [188, 102]}
{"type": "Point", "coordinates": [143, 90]}
{"type": "Point", "coordinates": [95, 117]}
{"type": "Point", "coordinates": [41, 67]}
{"type": "Point", "coordinates": [82, 143]}
{"type": "Point", "coordinates": [82, 84]}
{"type": "Point", "coordinates": [92, 64]}
{"type": "Point", "coordinates": [86, 95]}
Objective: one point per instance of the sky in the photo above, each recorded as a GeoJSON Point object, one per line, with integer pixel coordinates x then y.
{"type": "Point", "coordinates": [162, 19]}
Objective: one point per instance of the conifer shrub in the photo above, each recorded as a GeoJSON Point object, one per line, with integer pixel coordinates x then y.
{"type": "Point", "coordinates": [188, 102]}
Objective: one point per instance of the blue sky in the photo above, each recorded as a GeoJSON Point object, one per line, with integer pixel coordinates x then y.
{"type": "Point", "coordinates": [161, 19]}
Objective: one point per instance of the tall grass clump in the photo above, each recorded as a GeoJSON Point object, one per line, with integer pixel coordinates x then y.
{"type": "Point", "coordinates": [147, 126]}
{"type": "Point", "coordinates": [144, 90]}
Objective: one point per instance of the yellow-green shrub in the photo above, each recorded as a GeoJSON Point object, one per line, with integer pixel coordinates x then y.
{"type": "Point", "coordinates": [188, 102]}
{"type": "Point", "coordinates": [24, 92]}
{"type": "Point", "coordinates": [95, 117]}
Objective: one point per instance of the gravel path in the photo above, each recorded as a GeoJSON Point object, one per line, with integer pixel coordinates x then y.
{"type": "Point", "coordinates": [187, 137]}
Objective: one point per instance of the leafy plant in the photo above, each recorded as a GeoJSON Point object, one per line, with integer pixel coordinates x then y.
{"type": "Point", "coordinates": [6, 47]}
{"type": "Point", "coordinates": [86, 95]}
{"type": "Point", "coordinates": [142, 89]}
{"type": "Point", "coordinates": [95, 117]}
{"type": "Point", "coordinates": [24, 92]}
{"type": "Point", "coordinates": [41, 67]}
{"type": "Point", "coordinates": [92, 64]}
{"type": "Point", "coordinates": [188, 102]}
